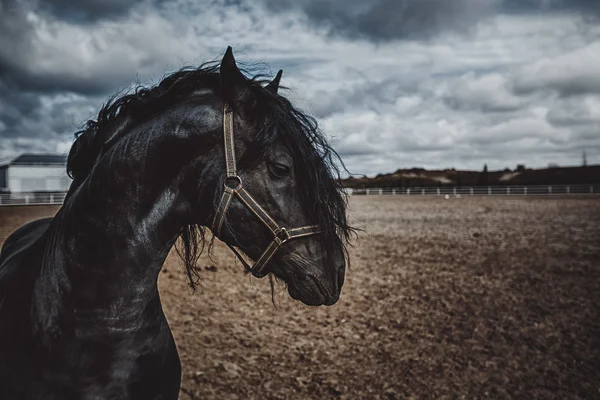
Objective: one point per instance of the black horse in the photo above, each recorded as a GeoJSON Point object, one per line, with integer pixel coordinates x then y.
{"type": "Point", "coordinates": [207, 148]}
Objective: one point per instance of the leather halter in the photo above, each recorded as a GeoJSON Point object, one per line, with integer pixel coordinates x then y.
{"type": "Point", "coordinates": [233, 187]}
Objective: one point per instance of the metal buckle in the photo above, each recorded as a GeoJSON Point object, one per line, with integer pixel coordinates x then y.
{"type": "Point", "coordinates": [283, 235]}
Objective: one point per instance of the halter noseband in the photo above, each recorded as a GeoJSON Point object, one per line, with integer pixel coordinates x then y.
{"type": "Point", "coordinates": [233, 187]}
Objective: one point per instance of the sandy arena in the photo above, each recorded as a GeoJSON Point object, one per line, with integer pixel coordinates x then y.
{"type": "Point", "coordinates": [460, 298]}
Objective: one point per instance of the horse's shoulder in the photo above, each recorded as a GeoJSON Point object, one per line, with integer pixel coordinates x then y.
{"type": "Point", "coordinates": [17, 243]}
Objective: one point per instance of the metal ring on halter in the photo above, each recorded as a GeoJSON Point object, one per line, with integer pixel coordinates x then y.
{"type": "Point", "coordinates": [233, 178]}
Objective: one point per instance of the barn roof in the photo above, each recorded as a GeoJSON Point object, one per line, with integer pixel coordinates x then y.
{"type": "Point", "coordinates": [35, 159]}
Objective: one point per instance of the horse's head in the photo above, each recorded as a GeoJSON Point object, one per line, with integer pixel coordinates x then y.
{"type": "Point", "coordinates": [231, 154]}
{"type": "Point", "coordinates": [278, 198]}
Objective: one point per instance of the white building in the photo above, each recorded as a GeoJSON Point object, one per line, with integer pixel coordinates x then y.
{"type": "Point", "coordinates": [37, 173]}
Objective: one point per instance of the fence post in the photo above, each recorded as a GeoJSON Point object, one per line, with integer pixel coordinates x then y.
{"type": "Point", "coordinates": [592, 189]}
{"type": "Point", "coordinates": [408, 191]}
{"type": "Point", "coordinates": [393, 192]}
{"type": "Point", "coordinates": [454, 191]}
{"type": "Point", "coordinates": [26, 199]}
{"type": "Point", "coordinates": [525, 190]}
{"type": "Point", "coordinates": [471, 191]}
{"type": "Point", "coordinates": [51, 199]}
{"type": "Point", "coordinates": [368, 190]}
{"type": "Point", "coordinates": [549, 189]}
{"type": "Point", "coordinates": [489, 190]}
{"type": "Point", "coordinates": [438, 191]}
{"type": "Point", "coordinates": [380, 192]}
{"type": "Point", "coordinates": [508, 190]}
{"type": "Point", "coordinates": [422, 192]}
{"type": "Point", "coordinates": [568, 189]}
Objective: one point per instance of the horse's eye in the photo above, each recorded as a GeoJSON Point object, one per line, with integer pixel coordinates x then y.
{"type": "Point", "coordinates": [278, 170]}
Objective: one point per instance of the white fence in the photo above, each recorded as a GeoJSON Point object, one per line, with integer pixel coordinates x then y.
{"type": "Point", "coordinates": [539, 190]}
{"type": "Point", "coordinates": [57, 198]}
{"type": "Point", "coordinates": [25, 198]}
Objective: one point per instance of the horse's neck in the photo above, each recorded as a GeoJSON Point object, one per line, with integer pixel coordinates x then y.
{"type": "Point", "coordinates": [105, 250]}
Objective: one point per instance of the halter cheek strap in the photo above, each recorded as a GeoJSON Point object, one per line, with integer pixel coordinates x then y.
{"type": "Point", "coordinates": [233, 187]}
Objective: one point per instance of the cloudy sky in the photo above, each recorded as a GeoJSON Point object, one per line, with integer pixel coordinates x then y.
{"type": "Point", "coordinates": [394, 83]}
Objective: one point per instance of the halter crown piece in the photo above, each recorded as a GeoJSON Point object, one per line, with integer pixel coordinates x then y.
{"type": "Point", "coordinates": [233, 187]}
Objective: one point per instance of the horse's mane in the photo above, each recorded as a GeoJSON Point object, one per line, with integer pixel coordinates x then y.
{"type": "Point", "coordinates": [123, 111]}
{"type": "Point", "coordinates": [319, 175]}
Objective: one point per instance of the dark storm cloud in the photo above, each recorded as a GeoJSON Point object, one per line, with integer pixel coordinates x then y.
{"type": "Point", "coordinates": [565, 86]}
{"type": "Point", "coordinates": [57, 82]}
{"type": "Point", "coordinates": [23, 113]}
{"type": "Point", "coordinates": [29, 115]}
{"type": "Point", "coordinates": [15, 31]}
{"type": "Point", "coordinates": [382, 20]}
{"type": "Point", "coordinates": [87, 11]}
{"type": "Point", "coordinates": [47, 81]}
{"type": "Point", "coordinates": [15, 107]}
{"type": "Point", "coordinates": [385, 20]}
{"type": "Point", "coordinates": [552, 5]}
{"type": "Point", "coordinates": [15, 34]}
{"type": "Point", "coordinates": [19, 65]}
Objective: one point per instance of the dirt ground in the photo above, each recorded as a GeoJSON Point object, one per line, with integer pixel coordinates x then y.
{"type": "Point", "coordinates": [460, 298]}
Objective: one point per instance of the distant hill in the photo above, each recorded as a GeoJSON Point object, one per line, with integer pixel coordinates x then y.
{"type": "Point", "coordinates": [419, 177]}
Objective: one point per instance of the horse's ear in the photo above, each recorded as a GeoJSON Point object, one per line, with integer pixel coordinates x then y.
{"type": "Point", "coordinates": [233, 81]}
{"type": "Point", "coordinates": [273, 86]}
